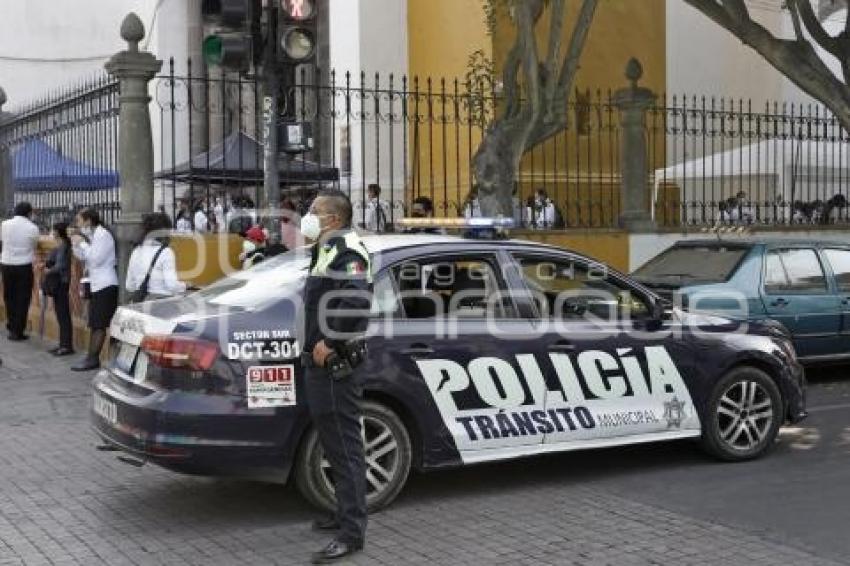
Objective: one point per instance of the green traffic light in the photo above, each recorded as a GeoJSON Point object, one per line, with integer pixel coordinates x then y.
{"type": "Point", "coordinates": [213, 50]}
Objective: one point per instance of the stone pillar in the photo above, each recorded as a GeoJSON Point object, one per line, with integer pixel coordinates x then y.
{"type": "Point", "coordinates": [7, 193]}
{"type": "Point", "coordinates": [635, 193]}
{"type": "Point", "coordinates": [134, 70]}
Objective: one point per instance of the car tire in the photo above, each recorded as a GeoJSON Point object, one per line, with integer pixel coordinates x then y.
{"type": "Point", "coordinates": [744, 414]}
{"type": "Point", "coordinates": [386, 436]}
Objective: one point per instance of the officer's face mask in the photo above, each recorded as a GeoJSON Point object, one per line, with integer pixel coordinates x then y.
{"type": "Point", "coordinates": [311, 226]}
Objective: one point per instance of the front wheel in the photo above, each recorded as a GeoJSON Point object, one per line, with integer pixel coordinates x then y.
{"type": "Point", "coordinates": [744, 414]}
{"type": "Point", "coordinates": [388, 460]}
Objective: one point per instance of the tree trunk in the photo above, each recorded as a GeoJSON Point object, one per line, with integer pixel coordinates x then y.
{"type": "Point", "coordinates": [496, 164]}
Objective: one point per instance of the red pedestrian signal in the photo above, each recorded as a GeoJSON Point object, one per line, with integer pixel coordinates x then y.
{"type": "Point", "coordinates": [298, 9]}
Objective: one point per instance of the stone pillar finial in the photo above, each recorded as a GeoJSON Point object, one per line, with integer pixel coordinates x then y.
{"type": "Point", "coordinates": [134, 70]}
{"type": "Point", "coordinates": [132, 31]}
{"type": "Point", "coordinates": [635, 194]}
{"type": "Point", "coordinates": [634, 71]}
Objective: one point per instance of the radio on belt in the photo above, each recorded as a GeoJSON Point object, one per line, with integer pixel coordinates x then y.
{"type": "Point", "coordinates": [353, 354]}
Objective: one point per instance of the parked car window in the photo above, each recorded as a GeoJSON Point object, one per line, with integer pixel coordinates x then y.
{"type": "Point", "coordinates": [452, 288]}
{"type": "Point", "coordinates": [840, 262]}
{"type": "Point", "coordinates": [706, 264]}
{"type": "Point", "coordinates": [793, 270]}
{"type": "Point", "coordinates": [575, 289]}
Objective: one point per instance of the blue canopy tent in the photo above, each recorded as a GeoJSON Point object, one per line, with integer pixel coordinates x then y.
{"type": "Point", "coordinates": [38, 168]}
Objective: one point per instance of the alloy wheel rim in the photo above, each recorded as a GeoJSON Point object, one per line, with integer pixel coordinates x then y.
{"type": "Point", "coordinates": [382, 458]}
{"type": "Point", "coordinates": [744, 415]}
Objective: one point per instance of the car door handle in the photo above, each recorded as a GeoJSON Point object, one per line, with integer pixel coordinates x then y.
{"type": "Point", "coordinates": [562, 346]}
{"type": "Point", "coordinates": [418, 350]}
{"type": "Point", "coordinates": [779, 303]}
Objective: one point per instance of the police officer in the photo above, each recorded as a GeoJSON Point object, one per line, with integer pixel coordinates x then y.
{"type": "Point", "coordinates": [337, 299]}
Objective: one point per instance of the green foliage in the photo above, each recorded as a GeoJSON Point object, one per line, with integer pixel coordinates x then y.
{"type": "Point", "coordinates": [480, 83]}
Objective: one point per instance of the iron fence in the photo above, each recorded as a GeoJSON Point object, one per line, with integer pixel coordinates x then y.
{"type": "Point", "coordinates": [711, 160]}
{"type": "Point", "coordinates": [63, 151]}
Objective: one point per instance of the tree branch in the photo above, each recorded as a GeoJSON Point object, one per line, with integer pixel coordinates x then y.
{"type": "Point", "coordinates": [799, 61]}
{"type": "Point", "coordinates": [577, 41]}
{"type": "Point", "coordinates": [527, 14]}
{"type": "Point", "coordinates": [556, 33]}
{"type": "Point", "coordinates": [815, 28]}
{"type": "Point", "coordinates": [509, 78]}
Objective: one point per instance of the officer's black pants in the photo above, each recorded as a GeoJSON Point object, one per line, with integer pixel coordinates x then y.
{"type": "Point", "coordinates": [17, 294]}
{"type": "Point", "coordinates": [335, 409]}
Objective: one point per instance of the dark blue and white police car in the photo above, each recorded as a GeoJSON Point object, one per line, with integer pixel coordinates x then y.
{"type": "Point", "coordinates": [480, 350]}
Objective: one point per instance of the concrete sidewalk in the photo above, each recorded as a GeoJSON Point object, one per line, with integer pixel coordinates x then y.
{"type": "Point", "coordinates": [63, 502]}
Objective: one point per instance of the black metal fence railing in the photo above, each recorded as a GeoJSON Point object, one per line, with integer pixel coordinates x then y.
{"type": "Point", "coordinates": [63, 152]}
{"type": "Point", "coordinates": [711, 160]}
{"type": "Point", "coordinates": [729, 161]}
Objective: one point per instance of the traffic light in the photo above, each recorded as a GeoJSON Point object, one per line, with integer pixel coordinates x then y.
{"type": "Point", "coordinates": [238, 37]}
{"type": "Point", "coordinates": [297, 31]}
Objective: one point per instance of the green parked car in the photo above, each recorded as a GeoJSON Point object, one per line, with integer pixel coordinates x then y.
{"type": "Point", "coordinates": [801, 284]}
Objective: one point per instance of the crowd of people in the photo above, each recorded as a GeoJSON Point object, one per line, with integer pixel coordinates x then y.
{"type": "Point", "coordinates": [151, 273]}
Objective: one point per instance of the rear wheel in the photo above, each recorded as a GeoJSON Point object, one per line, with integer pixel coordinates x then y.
{"type": "Point", "coordinates": [388, 459]}
{"type": "Point", "coordinates": [744, 415]}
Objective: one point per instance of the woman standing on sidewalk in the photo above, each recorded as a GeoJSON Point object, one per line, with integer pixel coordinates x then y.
{"type": "Point", "coordinates": [57, 280]}
{"type": "Point", "coordinates": [96, 248]}
{"type": "Point", "coordinates": [152, 271]}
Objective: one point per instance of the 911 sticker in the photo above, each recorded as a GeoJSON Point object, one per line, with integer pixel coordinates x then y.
{"type": "Point", "coordinates": [270, 386]}
{"type": "Point", "coordinates": [493, 403]}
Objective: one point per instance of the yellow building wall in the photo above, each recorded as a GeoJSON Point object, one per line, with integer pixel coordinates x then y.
{"type": "Point", "coordinates": [442, 34]}
{"type": "Point", "coordinates": [580, 171]}
{"type": "Point", "coordinates": [608, 246]}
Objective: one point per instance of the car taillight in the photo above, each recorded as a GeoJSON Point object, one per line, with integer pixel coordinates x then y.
{"type": "Point", "coordinates": [180, 352]}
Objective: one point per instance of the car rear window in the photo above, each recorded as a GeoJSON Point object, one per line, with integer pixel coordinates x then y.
{"type": "Point", "coordinates": [709, 264]}
{"type": "Point", "coordinates": [263, 284]}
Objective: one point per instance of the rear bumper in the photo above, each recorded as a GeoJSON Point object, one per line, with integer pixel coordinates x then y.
{"type": "Point", "coordinates": [195, 432]}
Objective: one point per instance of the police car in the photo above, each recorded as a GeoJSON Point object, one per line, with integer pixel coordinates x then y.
{"type": "Point", "coordinates": [480, 350]}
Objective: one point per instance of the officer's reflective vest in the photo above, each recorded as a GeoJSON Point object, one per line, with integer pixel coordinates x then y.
{"type": "Point", "coordinates": [327, 254]}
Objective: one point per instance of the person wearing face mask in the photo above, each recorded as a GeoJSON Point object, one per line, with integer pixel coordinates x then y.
{"type": "Point", "coordinates": [337, 299]}
{"type": "Point", "coordinates": [96, 249]}
{"type": "Point", "coordinates": [57, 284]}
{"type": "Point", "coordinates": [423, 207]}
{"type": "Point", "coordinates": [253, 248]}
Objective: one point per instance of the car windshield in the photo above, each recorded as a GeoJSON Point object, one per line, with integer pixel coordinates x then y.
{"type": "Point", "coordinates": [707, 264]}
{"type": "Point", "coordinates": [261, 285]}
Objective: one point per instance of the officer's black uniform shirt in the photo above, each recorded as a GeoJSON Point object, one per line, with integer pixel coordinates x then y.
{"type": "Point", "coordinates": [347, 272]}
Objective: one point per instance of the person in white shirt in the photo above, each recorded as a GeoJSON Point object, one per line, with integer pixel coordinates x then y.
{"type": "Point", "coordinates": [545, 211]}
{"type": "Point", "coordinates": [377, 210]}
{"type": "Point", "coordinates": [96, 248]}
{"type": "Point", "coordinates": [472, 206]}
{"type": "Point", "coordinates": [147, 258]}
{"type": "Point", "coordinates": [202, 221]}
{"type": "Point", "coordinates": [19, 239]}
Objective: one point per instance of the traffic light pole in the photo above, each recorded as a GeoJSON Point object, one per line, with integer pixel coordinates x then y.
{"type": "Point", "coordinates": [271, 113]}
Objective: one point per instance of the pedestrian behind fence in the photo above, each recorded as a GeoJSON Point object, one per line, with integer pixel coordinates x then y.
{"type": "Point", "coordinates": [19, 238]}
{"type": "Point", "coordinates": [152, 270]}
{"type": "Point", "coordinates": [57, 284]}
{"type": "Point", "coordinates": [94, 245]}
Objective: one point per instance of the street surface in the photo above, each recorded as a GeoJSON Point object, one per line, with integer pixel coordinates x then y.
{"type": "Point", "coordinates": [63, 502]}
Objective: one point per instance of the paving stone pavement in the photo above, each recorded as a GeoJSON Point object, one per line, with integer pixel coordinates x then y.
{"type": "Point", "coordinates": [63, 502]}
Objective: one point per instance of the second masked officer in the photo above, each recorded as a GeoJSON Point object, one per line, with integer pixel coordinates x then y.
{"type": "Point", "coordinates": [337, 301]}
